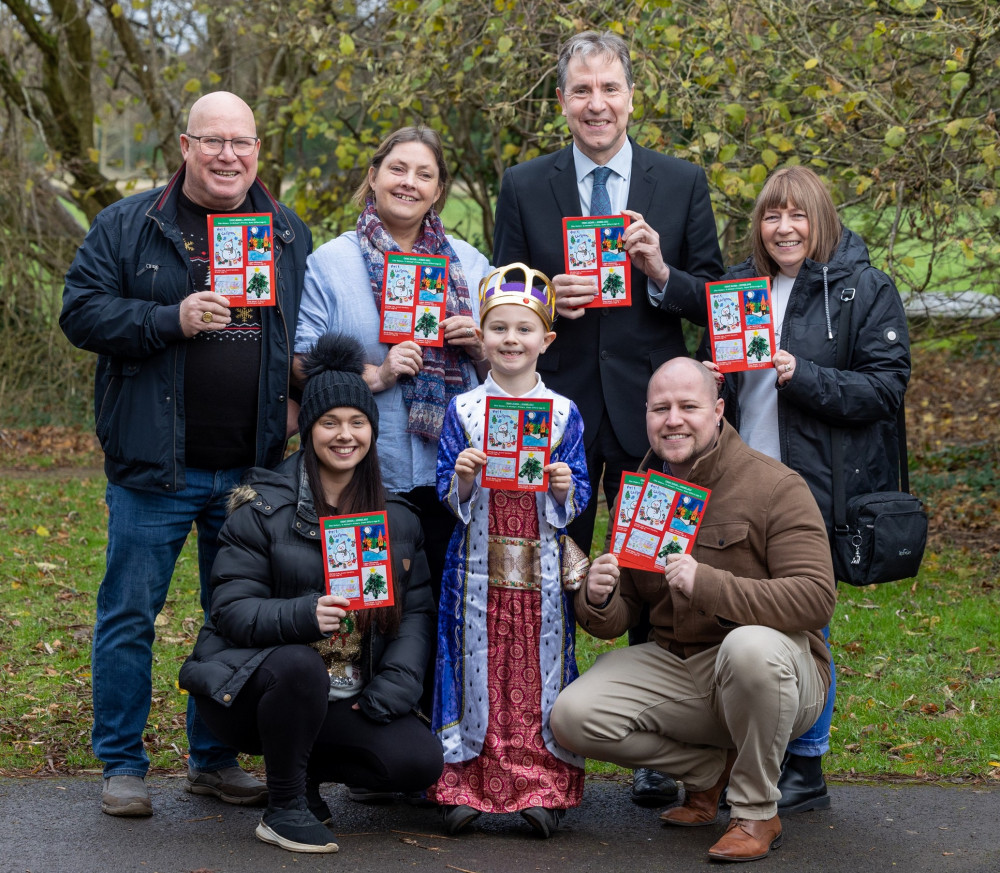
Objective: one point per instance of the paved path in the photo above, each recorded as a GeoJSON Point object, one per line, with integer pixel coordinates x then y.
{"type": "Point", "coordinates": [55, 826]}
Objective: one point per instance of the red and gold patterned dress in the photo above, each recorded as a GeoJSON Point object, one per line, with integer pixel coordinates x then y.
{"type": "Point", "coordinates": [515, 770]}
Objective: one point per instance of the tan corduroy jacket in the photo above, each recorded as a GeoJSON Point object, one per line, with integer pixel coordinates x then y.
{"type": "Point", "coordinates": [763, 555]}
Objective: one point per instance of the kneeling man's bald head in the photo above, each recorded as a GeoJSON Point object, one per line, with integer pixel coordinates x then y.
{"type": "Point", "coordinates": [670, 368]}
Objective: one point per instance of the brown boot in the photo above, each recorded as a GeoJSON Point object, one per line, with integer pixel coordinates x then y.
{"type": "Point", "coordinates": [701, 808]}
{"type": "Point", "coordinates": [747, 840]}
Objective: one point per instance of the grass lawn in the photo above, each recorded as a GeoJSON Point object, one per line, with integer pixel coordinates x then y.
{"type": "Point", "coordinates": [918, 662]}
{"type": "Point", "coordinates": [919, 665]}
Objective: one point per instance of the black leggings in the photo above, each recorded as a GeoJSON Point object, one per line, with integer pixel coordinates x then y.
{"type": "Point", "coordinates": [283, 713]}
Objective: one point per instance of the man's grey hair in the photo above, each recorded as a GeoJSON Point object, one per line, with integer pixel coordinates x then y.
{"type": "Point", "coordinates": [588, 43]}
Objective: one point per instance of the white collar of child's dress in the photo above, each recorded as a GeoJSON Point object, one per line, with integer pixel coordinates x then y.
{"type": "Point", "coordinates": [494, 390]}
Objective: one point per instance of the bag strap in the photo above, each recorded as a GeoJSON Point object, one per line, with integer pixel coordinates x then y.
{"type": "Point", "coordinates": [837, 435]}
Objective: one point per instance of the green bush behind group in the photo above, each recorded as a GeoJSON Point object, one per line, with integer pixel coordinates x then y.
{"type": "Point", "coordinates": [890, 102]}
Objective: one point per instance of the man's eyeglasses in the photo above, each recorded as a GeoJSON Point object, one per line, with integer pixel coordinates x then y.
{"type": "Point", "coordinates": [213, 145]}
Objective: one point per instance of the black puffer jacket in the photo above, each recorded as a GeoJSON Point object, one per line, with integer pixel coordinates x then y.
{"type": "Point", "coordinates": [267, 579]}
{"type": "Point", "coordinates": [863, 399]}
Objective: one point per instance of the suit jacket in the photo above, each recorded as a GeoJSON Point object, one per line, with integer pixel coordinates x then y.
{"type": "Point", "coordinates": [604, 359]}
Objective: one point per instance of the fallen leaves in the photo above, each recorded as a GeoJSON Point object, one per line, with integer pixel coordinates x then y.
{"type": "Point", "coordinates": [39, 447]}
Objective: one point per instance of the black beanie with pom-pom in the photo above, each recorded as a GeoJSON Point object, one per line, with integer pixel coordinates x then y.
{"type": "Point", "coordinates": [333, 368]}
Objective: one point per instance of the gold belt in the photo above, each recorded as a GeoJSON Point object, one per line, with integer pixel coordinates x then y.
{"type": "Point", "coordinates": [514, 563]}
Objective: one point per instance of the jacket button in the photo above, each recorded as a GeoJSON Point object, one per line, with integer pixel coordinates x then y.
{"type": "Point", "coordinates": [281, 398]}
{"type": "Point", "coordinates": [722, 542]}
{"type": "Point", "coordinates": [604, 356]}
{"type": "Point", "coordinates": [227, 697]}
{"type": "Point", "coordinates": [298, 524]}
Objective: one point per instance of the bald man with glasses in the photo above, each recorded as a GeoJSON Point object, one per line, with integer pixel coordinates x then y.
{"type": "Point", "coordinates": [189, 393]}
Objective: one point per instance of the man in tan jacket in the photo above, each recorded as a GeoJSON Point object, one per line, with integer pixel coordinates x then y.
{"type": "Point", "coordinates": [736, 665]}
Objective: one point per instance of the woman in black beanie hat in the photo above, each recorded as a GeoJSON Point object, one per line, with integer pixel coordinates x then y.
{"type": "Point", "coordinates": [282, 669]}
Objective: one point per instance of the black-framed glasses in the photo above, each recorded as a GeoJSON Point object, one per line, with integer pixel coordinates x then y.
{"type": "Point", "coordinates": [213, 145]}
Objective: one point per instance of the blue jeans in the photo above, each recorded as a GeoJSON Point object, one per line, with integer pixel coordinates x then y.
{"type": "Point", "coordinates": [146, 531]}
{"type": "Point", "coordinates": [816, 741]}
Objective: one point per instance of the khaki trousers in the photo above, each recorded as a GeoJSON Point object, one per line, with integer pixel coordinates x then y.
{"type": "Point", "coordinates": [642, 706]}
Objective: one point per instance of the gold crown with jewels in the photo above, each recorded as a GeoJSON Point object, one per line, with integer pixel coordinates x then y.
{"type": "Point", "coordinates": [527, 287]}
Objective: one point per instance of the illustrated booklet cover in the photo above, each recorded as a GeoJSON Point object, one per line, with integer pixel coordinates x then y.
{"type": "Point", "coordinates": [241, 258]}
{"type": "Point", "coordinates": [665, 521]}
{"type": "Point", "coordinates": [356, 559]}
{"type": "Point", "coordinates": [594, 247]}
{"type": "Point", "coordinates": [628, 496]}
{"type": "Point", "coordinates": [414, 293]}
{"type": "Point", "coordinates": [739, 323]}
{"type": "Point", "coordinates": [517, 443]}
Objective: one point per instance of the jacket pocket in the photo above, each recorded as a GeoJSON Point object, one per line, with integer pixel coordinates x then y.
{"type": "Point", "coordinates": [726, 546]}
{"type": "Point", "coordinates": [113, 400]}
{"type": "Point", "coordinates": [657, 357]}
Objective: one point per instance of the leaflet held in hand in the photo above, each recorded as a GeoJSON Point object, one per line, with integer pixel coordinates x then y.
{"type": "Point", "coordinates": [594, 247]}
{"type": "Point", "coordinates": [241, 258]}
{"type": "Point", "coordinates": [740, 325]}
{"type": "Point", "coordinates": [665, 521]}
{"type": "Point", "coordinates": [356, 559]}
{"type": "Point", "coordinates": [414, 298]}
{"type": "Point", "coordinates": [628, 496]}
{"type": "Point", "coordinates": [517, 443]}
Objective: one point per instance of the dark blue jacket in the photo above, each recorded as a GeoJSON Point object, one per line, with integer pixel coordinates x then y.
{"type": "Point", "coordinates": [122, 300]}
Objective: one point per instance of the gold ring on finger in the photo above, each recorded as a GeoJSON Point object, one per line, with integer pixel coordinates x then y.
{"type": "Point", "coordinates": [206, 317]}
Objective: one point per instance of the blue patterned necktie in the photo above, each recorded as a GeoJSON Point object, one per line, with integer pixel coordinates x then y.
{"type": "Point", "coordinates": [600, 202]}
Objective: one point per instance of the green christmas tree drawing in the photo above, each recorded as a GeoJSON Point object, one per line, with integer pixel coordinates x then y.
{"type": "Point", "coordinates": [427, 324]}
{"type": "Point", "coordinates": [375, 586]}
{"type": "Point", "coordinates": [257, 284]}
{"type": "Point", "coordinates": [671, 548]}
{"type": "Point", "coordinates": [757, 348]}
{"type": "Point", "coordinates": [613, 285]}
{"type": "Point", "coordinates": [531, 469]}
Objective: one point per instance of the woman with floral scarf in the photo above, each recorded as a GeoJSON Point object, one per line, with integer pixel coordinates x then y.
{"type": "Point", "coordinates": [402, 194]}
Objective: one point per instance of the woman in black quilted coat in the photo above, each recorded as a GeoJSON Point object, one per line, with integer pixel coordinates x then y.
{"type": "Point", "coordinates": [282, 668]}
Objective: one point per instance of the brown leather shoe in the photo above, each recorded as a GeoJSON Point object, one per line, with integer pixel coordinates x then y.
{"type": "Point", "coordinates": [701, 808]}
{"type": "Point", "coordinates": [747, 840]}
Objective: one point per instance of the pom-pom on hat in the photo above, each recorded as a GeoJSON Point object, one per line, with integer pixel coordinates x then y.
{"type": "Point", "coordinates": [518, 283]}
{"type": "Point", "coordinates": [333, 368]}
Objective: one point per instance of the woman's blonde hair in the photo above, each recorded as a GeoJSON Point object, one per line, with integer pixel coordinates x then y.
{"type": "Point", "coordinates": [424, 135]}
{"type": "Point", "coordinates": [801, 187]}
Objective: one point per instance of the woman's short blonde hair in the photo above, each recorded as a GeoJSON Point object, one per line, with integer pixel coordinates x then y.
{"type": "Point", "coordinates": [421, 134]}
{"type": "Point", "coordinates": [801, 187]}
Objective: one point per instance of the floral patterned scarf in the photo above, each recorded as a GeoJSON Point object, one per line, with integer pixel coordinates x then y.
{"type": "Point", "coordinates": [442, 375]}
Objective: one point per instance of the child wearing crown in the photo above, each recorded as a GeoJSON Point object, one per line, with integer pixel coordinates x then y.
{"type": "Point", "coordinates": [505, 625]}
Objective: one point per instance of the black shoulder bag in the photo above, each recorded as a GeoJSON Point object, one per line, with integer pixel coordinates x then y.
{"type": "Point", "coordinates": [878, 537]}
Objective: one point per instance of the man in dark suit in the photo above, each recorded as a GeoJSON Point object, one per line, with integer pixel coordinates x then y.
{"type": "Point", "coordinates": [603, 359]}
